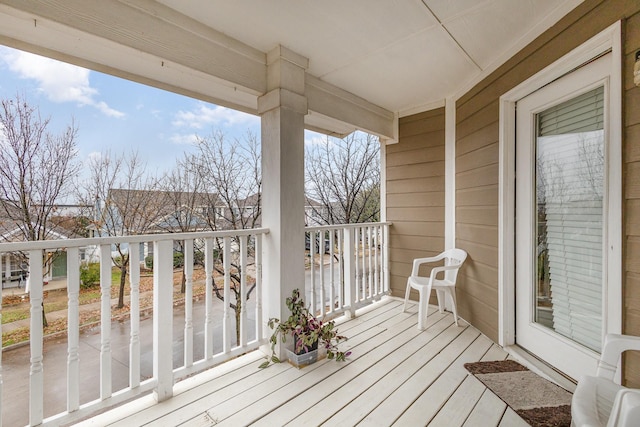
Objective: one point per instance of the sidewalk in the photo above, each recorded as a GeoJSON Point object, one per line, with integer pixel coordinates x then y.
{"type": "Point", "coordinates": [60, 314]}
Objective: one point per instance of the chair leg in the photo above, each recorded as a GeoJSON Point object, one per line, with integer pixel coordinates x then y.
{"type": "Point", "coordinates": [422, 310]}
{"type": "Point", "coordinates": [441, 299]}
{"type": "Point", "coordinates": [406, 296]}
{"type": "Point", "coordinates": [452, 292]}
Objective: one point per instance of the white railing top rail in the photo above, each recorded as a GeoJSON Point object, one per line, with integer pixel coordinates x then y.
{"type": "Point", "coordinates": [111, 240]}
{"type": "Point", "coordinates": [354, 225]}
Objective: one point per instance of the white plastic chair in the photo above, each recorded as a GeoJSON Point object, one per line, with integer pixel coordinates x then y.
{"type": "Point", "coordinates": [453, 259]}
{"type": "Point", "coordinates": [599, 401]}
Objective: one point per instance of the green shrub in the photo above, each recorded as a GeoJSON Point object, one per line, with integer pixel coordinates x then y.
{"type": "Point", "coordinates": [148, 262]}
{"type": "Point", "coordinates": [89, 274]}
{"type": "Point", "coordinates": [178, 260]}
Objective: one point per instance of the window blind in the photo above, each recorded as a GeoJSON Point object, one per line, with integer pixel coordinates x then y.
{"type": "Point", "coordinates": [570, 180]}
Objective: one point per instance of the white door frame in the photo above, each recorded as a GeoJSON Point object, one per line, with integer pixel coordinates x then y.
{"type": "Point", "coordinates": [607, 40]}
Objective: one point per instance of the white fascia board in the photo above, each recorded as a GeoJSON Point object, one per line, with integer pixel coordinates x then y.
{"type": "Point", "coordinates": [333, 102]}
{"type": "Point", "coordinates": [170, 37]}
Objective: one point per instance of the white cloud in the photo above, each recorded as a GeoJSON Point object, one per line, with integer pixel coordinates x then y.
{"type": "Point", "coordinates": [59, 81]}
{"type": "Point", "coordinates": [204, 115]}
{"type": "Point", "coordinates": [94, 157]}
{"type": "Point", "coordinates": [184, 139]}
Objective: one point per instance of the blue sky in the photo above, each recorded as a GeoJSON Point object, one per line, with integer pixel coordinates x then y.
{"type": "Point", "coordinates": [117, 114]}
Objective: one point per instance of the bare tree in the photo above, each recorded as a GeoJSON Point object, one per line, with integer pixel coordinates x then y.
{"type": "Point", "coordinates": [343, 179]}
{"type": "Point", "coordinates": [36, 170]}
{"type": "Point", "coordinates": [185, 203]}
{"type": "Point", "coordinates": [232, 179]}
{"type": "Point", "coordinates": [125, 200]}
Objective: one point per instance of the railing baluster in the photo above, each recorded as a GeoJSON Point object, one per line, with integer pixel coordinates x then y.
{"type": "Point", "coordinates": [73, 330]}
{"type": "Point", "coordinates": [361, 260]}
{"type": "Point", "coordinates": [208, 301]}
{"type": "Point", "coordinates": [323, 309]}
{"type": "Point", "coordinates": [258, 258]}
{"type": "Point", "coordinates": [332, 278]}
{"type": "Point", "coordinates": [312, 271]}
{"type": "Point", "coordinates": [163, 319]}
{"type": "Point", "coordinates": [376, 279]}
{"type": "Point", "coordinates": [370, 254]}
{"type": "Point", "coordinates": [188, 303]}
{"type": "Point", "coordinates": [341, 267]}
{"type": "Point", "coordinates": [36, 375]}
{"type": "Point", "coordinates": [243, 291]}
{"type": "Point", "coordinates": [350, 269]}
{"type": "Point", "coordinates": [134, 304]}
{"type": "Point", "coordinates": [226, 319]}
{"type": "Point", "coordinates": [105, 321]}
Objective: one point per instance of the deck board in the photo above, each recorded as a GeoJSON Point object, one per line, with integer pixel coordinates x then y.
{"type": "Point", "coordinates": [395, 375]}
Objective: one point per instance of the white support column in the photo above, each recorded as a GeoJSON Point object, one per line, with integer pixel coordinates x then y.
{"type": "Point", "coordinates": [163, 319]}
{"type": "Point", "coordinates": [282, 110]}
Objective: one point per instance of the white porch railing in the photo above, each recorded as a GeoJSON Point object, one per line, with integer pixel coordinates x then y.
{"type": "Point", "coordinates": [166, 371]}
{"type": "Point", "coordinates": [348, 266]}
{"type": "Point", "coordinates": [352, 272]}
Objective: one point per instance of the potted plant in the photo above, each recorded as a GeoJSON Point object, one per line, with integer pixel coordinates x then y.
{"type": "Point", "coordinates": [307, 331]}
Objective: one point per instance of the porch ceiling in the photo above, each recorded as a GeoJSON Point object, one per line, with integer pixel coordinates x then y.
{"type": "Point", "coordinates": [383, 57]}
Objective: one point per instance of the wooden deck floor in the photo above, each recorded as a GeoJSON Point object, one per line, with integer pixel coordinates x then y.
{"type": "Point", "coordinates": [396, 375]}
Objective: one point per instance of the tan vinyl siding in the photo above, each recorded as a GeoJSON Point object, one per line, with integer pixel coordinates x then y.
{"type": "Point", "coordinates": [631, 208]}
{"type": "Point", "coordinates": [477, 134]}
{"type": "Point", "coordinates": [415, 193]}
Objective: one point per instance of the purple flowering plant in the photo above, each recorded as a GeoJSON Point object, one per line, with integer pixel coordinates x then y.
{"type": "Point", "coordinates": [307, 330]}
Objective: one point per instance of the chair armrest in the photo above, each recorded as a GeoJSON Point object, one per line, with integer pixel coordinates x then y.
{"type": "Point", "coordinates": [626, 409]}
{"type": "Point", "coordinates": [419, 261]}
{"type": "Point", "coordinates": [436, 270]}
{"type": "Point", "coordinates": [614, 346]}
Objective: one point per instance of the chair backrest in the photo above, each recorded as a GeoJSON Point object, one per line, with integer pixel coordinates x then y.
{"type": "Point", "coordinates": [453, 257]}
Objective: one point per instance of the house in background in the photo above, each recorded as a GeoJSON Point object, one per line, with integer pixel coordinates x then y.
{"type": "Point", "coordinates": [471, 100]}
{"type": "Point", "coordinates": [69, 222]}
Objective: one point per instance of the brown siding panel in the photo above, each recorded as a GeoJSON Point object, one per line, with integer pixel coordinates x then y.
{"type": "Point", "coordinates": [631, 208]}
{"type": "Point", "coordinates": [415, 193]}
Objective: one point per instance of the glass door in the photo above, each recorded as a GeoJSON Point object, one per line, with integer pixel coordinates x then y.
{"type": "Point", "coordinates": [560, 237]}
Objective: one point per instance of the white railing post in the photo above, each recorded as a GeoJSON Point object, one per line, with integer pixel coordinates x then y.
{"type": "Point", "coordinates": [188, 303]}
{"type": "Point", "coordinates": [208, 300]}
{"type": "Point", "coordinates": [105, 321]}
{"type": "Point", "coordinates": [163, 319]}
{"type": "Point", "coordinates": [36, 374]}
{"type": "Point", "coordinates": [73, 330]}
{"type": "Point", "coordinates": [350, 264]}
{"type": "Point", "coordinates": [134, 303]}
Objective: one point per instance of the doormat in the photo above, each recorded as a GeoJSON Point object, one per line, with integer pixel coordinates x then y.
{"type": "Point", "coordinates": [538, 401]}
